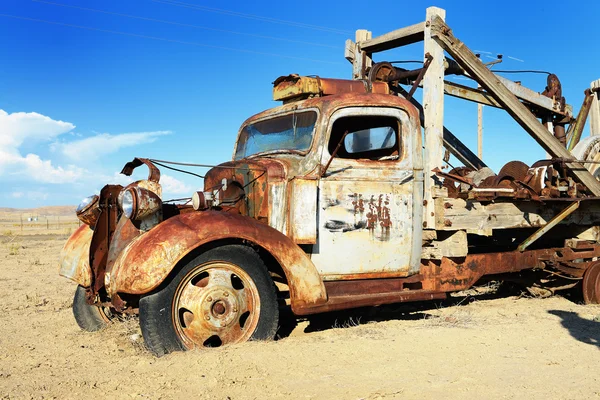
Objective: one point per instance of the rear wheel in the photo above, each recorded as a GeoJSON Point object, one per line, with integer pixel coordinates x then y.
{"type": "Point", "coordinates": [89, 317]}
{"type": "Point", "coordinates": [591, 284]}
{"type": "Point", "coordinates": [223, 296]}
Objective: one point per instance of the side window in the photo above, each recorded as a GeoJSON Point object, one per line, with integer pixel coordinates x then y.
{"type": "Point", "coordinates": [374, 138]}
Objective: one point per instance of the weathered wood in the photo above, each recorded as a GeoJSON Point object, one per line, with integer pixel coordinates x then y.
{"type": "Point", "coordinates": [397, 38]}
{"type": "Point", "coordinates": [455, 245]}
{"type": "Point", "coordinates": [349, 50]}
{"type": "Point", "coordinates": [557, 219]}
{"type": "Point", "coordinates": [595, 110]}
{"type": "Point", "coordinates": [433, 101]}
{"type": "Point", "coordinates": [490, 82]}
{"type": "Point", "coordinates": [475, 217]}
{"type": "Point", "coordinates": [451, 142]}
{"type": "Point", "coordinates": [469, 93]}
{"type": "Point", "coordinates": [361, 60]}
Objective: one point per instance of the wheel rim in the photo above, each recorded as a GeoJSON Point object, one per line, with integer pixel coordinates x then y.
{"type": "Point", "coordinates": [215, 304]}
{"type": "Point", "coordinates": [591, 285]}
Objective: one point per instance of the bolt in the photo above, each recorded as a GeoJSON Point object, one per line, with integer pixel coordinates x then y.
{"type": "Point", "coordinates": [207, 317]}
{"type": "Point", "coordinates": [209, 298]}
{"type": "Point", "coordinates": [234, 309]}
{"type": "Point", "coordinates": [225, 294]}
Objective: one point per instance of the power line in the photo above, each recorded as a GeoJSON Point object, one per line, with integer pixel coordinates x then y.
{"type": "Point", "coordinates": [183, 24]}
{"type": "Point", "coordinates": [89, 28]}
{"type": "Point", "coordinates": [252, 16]}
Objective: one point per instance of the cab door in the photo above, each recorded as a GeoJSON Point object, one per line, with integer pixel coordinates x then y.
{"type": "Point", "coordinates": [366, 213]}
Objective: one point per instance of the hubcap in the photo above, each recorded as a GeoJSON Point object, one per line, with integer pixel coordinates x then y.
{"type": "Point", "coordinates": [215, 304]}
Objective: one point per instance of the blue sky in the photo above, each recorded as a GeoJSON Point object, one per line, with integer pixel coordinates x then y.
{"type": "Point", "coordinates": [82, 92]}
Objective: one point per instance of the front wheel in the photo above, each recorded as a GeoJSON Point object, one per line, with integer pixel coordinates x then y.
{"type": "Point", "coordinates": [223, 296]}
{"type": "Point", "coordinates": [89, 317]}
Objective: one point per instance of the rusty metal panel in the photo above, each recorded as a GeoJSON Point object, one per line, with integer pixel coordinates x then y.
{"type": "Point", "coordinates": [303, 211]}
{"type": "Point", "coordinates": [150, 257]}
{"type": "Point", "coordinates": [278, 217]}
{"type": "Point", "coordinates": [366, 224]}
{"type": "Point", "coordinates": [75, 257]}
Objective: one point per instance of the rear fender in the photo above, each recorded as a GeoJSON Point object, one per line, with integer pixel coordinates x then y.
{"type": "Point", "coordinates": [75, 257]}
{"type": "Point", "coordinates": [148, 260]}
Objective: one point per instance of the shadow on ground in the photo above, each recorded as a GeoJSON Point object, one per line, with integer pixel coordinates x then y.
{"type": "Point", "coordinates": [582, 329]}
{"type": "Point", "coordinates": [403, 311]}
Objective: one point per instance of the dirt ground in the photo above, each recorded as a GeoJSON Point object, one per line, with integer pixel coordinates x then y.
{"type": "Point", "coordinates": [488, 346]}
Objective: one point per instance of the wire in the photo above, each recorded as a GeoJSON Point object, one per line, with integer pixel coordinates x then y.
{"type": "Point", "coordinates": [251, 16]}
{"type": "Point", "coordinates": [183, 198]}
{"type": "Point", "coordinates": [177, 169]}
{"type": "Point", "coordinates": [182, 24]}
{"type": "Point", "coordinates": [204, 165]}
{"type": "Point", "coordinates": [506, 71]}
{"type": "Point", "coordinates": [89, 28]}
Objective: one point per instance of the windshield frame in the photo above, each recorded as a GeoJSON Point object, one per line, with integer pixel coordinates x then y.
{"type": "Point", "coordinates": [278, 115]}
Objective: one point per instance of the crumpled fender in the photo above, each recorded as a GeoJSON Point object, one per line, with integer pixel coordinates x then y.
{"type": "Point", "coordinates": [75, 257]}
{"type": "Point", "coordinates": [147, 261]}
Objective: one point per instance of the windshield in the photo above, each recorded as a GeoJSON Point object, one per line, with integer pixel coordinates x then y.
{"type": "Point", "coordinates": [288, 132]}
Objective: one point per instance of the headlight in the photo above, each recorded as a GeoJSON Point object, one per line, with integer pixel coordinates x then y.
{"type": "Point", "coordinates": [128, 204]}
{"type": "Point", "coordinates": [86, 202]}
{"type": "Point", "coordinates": [138, 203]}
{"type": "Point", "coordinates": [88, 210]}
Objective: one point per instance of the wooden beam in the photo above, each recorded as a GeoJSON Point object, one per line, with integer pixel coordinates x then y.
{"type": "Point", "coordinates": [397, 38]}
{"type": "Point", "coordinates": [490, 82]}
{"type": "Point", "coordinates": [551, 224]}
{"type": "Point", "coordinates": [433, 101]}
{"type": "Point", "coordinates": [469, 93]}
{"type": "Point", "coordinates": [595, 109]}
{"type": "Point", "coordinates": [451, 142]}
{"type": "Point", "coordinates": [361, 61]}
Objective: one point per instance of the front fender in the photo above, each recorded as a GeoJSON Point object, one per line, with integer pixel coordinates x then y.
{"type": "Point", "coordinates": [75, 257]}
{"type": "Point", "coordinates": [147, 261]}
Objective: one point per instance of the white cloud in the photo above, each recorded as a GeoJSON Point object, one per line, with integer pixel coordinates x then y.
{"type": "Point", "coordinates": [94, 147]}
{"type": "Point", "coordinates": [17, 195]}
{"type": "Point", "coordinates": [173, 186]}
{"type": "Point", "coordinates": [15, 129]}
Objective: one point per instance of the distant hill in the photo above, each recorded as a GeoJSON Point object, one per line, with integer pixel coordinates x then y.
{"type": "Point", "coordinates": [58, 211]}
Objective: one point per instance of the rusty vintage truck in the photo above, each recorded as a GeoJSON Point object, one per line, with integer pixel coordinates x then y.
{"type": "Point", "coordinates": [341, 197]}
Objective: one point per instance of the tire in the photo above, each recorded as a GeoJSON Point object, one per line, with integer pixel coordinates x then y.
{"type": "Point", "coordinates": [89, 318]}
{"type": "Point", "coordinates": [223, 296]}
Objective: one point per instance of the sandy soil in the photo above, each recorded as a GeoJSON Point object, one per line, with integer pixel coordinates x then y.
{"type": "Point", "coordinates": [486, 347]}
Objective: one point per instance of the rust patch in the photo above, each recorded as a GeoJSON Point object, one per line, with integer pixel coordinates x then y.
{"type": "Point", "coordinates": [149, 259]}
{"type": "Point", "coordinates": [75, 257]}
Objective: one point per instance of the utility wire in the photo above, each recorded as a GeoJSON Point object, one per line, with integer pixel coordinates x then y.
{"type": "Point", "coordinates": [252, 16]}
{"type": "Point", "coordinates": [183, 24]}
{"type": "Point", "coordinates": [89, 28]}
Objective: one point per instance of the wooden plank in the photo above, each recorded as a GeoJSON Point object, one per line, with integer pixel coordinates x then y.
{"type": "Point", "coordinates": [557, 219]}
{"type": "Point", "coordinates": [473, 216]}
{"type": "Point", "coordinates": [361, 60]}
{"type": "Point", "coordinates": [433, 101]}
{"type": "Point", "coordinates": [490, 82]}
{"type": "Point", "coordinates": [529, 95]}
{"type": "Point", "coordinates": [397, 38]}
{"type": "Point", "coordinates": [455, 245]}
{"type": "Point", "coordinates": [470, 94]}
{"type": "Point", "coordinates": [595, 109]}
